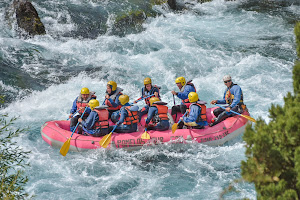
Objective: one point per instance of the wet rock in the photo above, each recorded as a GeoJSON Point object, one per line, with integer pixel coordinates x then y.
{"type": "Point", "coordinates": [27, 18]}
{"type": "Point", "coordinates": [171, 3]}
{"type": "Point", "coordinates": [131, 22]}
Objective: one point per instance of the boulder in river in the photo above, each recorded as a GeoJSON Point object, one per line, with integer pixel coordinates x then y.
{"type": "Point", "coordinates": [27, 17]}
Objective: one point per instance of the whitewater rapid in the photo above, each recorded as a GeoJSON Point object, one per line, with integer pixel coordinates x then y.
{"type": "Point", "coordinates": [256, 48]}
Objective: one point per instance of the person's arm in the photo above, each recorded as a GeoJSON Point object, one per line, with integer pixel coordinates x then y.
{"type": "Point", "coordinates": [114, 104]}
{"type": "Point", "coordinates": [237, 92]}
{"type": "Point", "coordinates": [90, 121]}
{"type": "Point", "coordinates": [155, 91]}
{"type": "Point", "coordinates": [151, 114]}
{"type": "Point", "coordinates": [184, 95]}
{"type": "Point", "coordinates": [74, 107]}
{"type": "Point", "coordinates": [193, 115]}
{"type": "Point", "coordinates": [123, 115]}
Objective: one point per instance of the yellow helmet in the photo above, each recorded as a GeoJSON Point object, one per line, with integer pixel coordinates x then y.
{"type": "Point", "coordinates": [193, 97]}
{"type": "Point", "coordinates": [93, 104]}
{"type": "Point", "coordinates": [153, 99]}
{"type": "Point", "coordinates": [124, 99]}
{"type": "Point", "coordinates": [147, 81]}
{"type": "Point", "coordinates": [113, 85]}
{"type": "Point", "coordinates": [85, 91]}
{"type": "Point", "coordinates": [180, 80]}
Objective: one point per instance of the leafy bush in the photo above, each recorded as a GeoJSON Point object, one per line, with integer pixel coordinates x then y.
{"type": "Point", "coordinates": [273, 150]}
{"type": "Point", "coordinates": [12, 162]}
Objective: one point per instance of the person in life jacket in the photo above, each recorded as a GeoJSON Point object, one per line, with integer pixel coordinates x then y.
{"type": "Point", "coordinates": [112, 97]}
{"type": "Point", "coordinates": [233, 96]}
{"type": "Point", "coordinates": [149, 89]}
{"type": "Point", "coordinates": [157, 118]}
{"type": "Point", "coordinates": [128, 116]}
{"type": "Point", "coordinates": [196, 117]}
{"type": "Point", "coordinates": [185, 88]}
{"type": "Point", "coordinates": [96, 123]}
{"type": "Point", "coordinates": [79, 105]}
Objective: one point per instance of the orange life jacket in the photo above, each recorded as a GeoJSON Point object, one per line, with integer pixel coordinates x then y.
{"type": "Point", "coordinates": [103, 119]}
{"type": "Point", "coordinates": [162, 112]}
{"type": "Point", "coordinates": [202, 116]}
{"type": "Point", "coordinates": [132, 117]}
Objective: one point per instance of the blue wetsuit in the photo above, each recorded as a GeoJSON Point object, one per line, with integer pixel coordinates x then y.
{"type": "Point", "coordinates": [185, 93]}
{"type": "Point", "coordinates": [145, 92]}
{"type": "Point", "coordinates": [235, 103]}
{"type": "Point", "coordinates": [74, 119]}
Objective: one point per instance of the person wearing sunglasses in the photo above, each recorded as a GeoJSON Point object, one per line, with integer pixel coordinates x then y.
{"type": "Point", "coordinates": [233, 96]}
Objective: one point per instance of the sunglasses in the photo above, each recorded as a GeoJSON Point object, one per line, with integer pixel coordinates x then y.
{"type": "Point", "coordinates": [227, 81]}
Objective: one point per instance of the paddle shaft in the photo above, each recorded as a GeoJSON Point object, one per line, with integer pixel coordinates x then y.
{"type": "Point", "coordinates": [73, 114]}
{"type": "Point", "coordinates": [103, 102]}
{"type": "Point", "coordinates": [182, 116]}
{"type": "Point", "coordinates": [230, 110]}
{"type": "Point", "coordinates": [78, 122]}
{"type": "Point", "coordinates": [114, 128]}
{"type": "Point", "coordinates": [174, 99]}
{"type": "Point", "coordinates": [145, 98]}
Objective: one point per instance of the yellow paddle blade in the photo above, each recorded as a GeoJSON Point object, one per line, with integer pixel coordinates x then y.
{"type": "Point", "coordinates": [249, 118]}
{"type": "Point", "coordinates": [65, 147]}
{"type": "Point", "coordinates": [104, 142]}
{"type": "Point", "coordinates": [145, 136]}
{"type": "Point", "coordinates": [174, 127]}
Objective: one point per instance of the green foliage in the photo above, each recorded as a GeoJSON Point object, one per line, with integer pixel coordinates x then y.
{"type": "Point", "coordinates": [1, 99]}
{"type": "Point", "coordinates": [12, 162]}
{"type": "Point", "coordinates": [297, 34]}
{"type": "Point", "coordinates": [272, 150]}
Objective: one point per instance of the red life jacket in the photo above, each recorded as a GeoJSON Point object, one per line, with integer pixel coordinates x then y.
{"type": "Point", "coordinates": [113, 97]}
{"type": "Point", "coordinates": [84, 103]}
{"type": "Point", "coordinates": [132, 117]}
{"type": "Point", "coordinates": [202, 116]}
{"type": "Point", "coordinates": [150, 92]}
{"type": "Point", "coordinates": [103, 119]}
{"type": "Point", "coordinates": [186, 101]}
{"type": "Point", "coordinates": [110, 107]}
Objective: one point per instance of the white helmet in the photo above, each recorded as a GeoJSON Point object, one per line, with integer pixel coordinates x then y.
{"type": "Point", "coordinates": [227, 78]}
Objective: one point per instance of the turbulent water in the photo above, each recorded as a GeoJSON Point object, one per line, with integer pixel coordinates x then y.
{"type": "Point", "coordinates": [41, 76]}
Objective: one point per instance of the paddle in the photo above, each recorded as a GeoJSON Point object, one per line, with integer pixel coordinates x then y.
{"type": "Point", "coordinates": [144, 98]}
{"type": "Point", "coordinates": [174, 126]}
{"type": "Point", "coordinates": [73, 114]}
{"type": "Point", "coordinates": [246, 116]}
{"type": "Point", "coordinates": [65, 147]}
{"type": "Point", "coordinates": [145, 135]}
{"type": "Point", "coordinates": [174, 99]}
{"type": "Point", "coordinates": [103, 102]}
{"type": "Point", "coordinates": [104, 142]}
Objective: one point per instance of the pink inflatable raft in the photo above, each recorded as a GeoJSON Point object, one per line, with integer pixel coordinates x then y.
{"type": "Point", "coordinates": [56, 133]}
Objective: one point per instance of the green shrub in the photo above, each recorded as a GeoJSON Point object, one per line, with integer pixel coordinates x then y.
{"type": "Point", "coordinates": [12, 162]}
{"type": "Point", "coordinates": [273, 149]}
